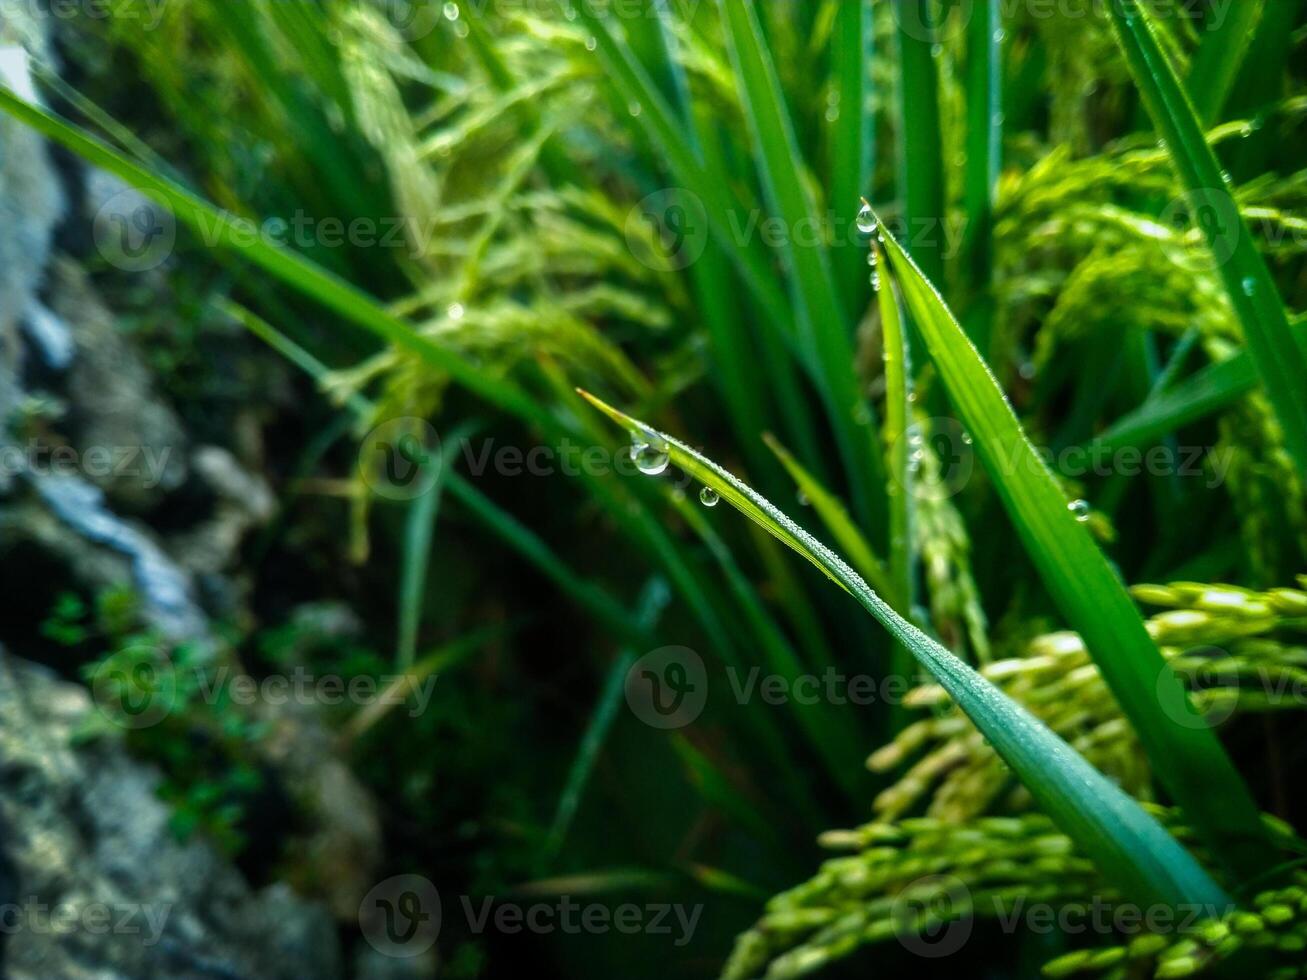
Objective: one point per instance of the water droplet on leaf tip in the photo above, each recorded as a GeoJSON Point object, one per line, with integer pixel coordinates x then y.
{"type": "Point", "coordinates": [866, 219]}
{"type": "Point", "coordinates": [649, 453]}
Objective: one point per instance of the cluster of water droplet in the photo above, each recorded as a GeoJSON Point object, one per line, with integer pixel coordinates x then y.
{"type": "Point", "coordinates": [452, 14]}
{"type": "Point", "coordinates": [868, 225]}
{"type": "Point", "coordinates": [652, 456]}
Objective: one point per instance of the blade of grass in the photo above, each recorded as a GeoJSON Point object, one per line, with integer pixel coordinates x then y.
{"type": "Point", "coordinates": [984, 157]}
{"type": "Point", "coordinates": [852, 135]}
{"type": "Point", "coordinates": [1176, 403]}
{"type": "Point", "coordinates": [419, 530]}
{"type": "Point", "coordinates": [898, 451]}
{"type": "Point", "coordinates": [921, 155]}
{"type": "Point", "coordinates": [846, 534]}
{"type": "Point", "coordinates": [1215, 387]}
{"type": "Point", "coordinates": [668, 135]}
{"type": "Point", "coordinates": [232, 232]}
{"type": "Point", "coordinates": [689, 149]}
{"type": "Point", "coordinates": [653, 599]}
{"type": "Point", "coordinates": [1129, 847]}
{"type": "Point", "coordinates": [1260, 86]}
{"type": "Point", "coordinates": [696, 166]}
{"type": "Point", "coordinates": [521, 539]}
{"type": "Point", "coordinates": [1248, 281]}
{"type": "Point", "coordinates": [831, 732]}
{"type": "Point", "coordinates": [1219, 57]}
{"type": "Point", "coordinates": [398, 690]}
{"type": "Point", "coordinates": [716, 787]}
{"type": "Point", "coordinates": [898, 461]}
{"type": "Point", "coordinates": [821, 324]}
{"type": "Point", "coordinates": [1187, 757]}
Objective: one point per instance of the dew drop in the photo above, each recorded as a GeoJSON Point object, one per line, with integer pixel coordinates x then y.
{"type": "Point", "coordinates": [634, 108]}
{"type": "Point", "coordinates": [591, 43]}
{"type": "Point", "coordinates": [1249, 286]}
{"type": "Point", "coordinates": [802, 498]}
{"type": "Point", "coordinates": [651, 456]}
{"type": "Point", "coordinates": [1079, 509]}
{"type": "Point", "coordinates": [709, 497]}
{"type": "Point", "coordinates": [451, 11]}
{"type": "Point", "coordinates": [1027, 370]}
{"type": "Point", "coordinates": [866, 219]}
{"type": "Point", "coordinates": [455, 311]}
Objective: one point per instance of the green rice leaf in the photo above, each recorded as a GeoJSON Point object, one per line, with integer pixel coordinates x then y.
{"type": "Point", "coordinates": [1188, 758]}
{"type": "Point", "coordinates": [821, 323]}
{"type": "Point", "coordinates": [1280, 363]}
{"type": "Point", "coordinates": [1130, 847]}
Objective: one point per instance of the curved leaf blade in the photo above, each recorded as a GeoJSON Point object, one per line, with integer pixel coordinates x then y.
{"type": "Point", "coordinates": [1280, 363]}
{"type": "Point", "coordinates": [1186, 755]}
{"type": "Point", "coordinates": [1129, 847]}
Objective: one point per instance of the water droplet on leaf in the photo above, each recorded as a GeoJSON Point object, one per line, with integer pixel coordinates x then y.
{"type": "Point", "coordinates": [1079, 509]}
{"type": "Point", "coordinates": [866, 219]}
{"type": "Point", "coordinates": [709, 497]}
{"type": "Point", "coordinates": [650, 454]}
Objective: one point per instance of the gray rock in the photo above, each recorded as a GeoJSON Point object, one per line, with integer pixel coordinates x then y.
{"type": "Point", "coordinates": [94, 885]}
{"type": "Point", "coordinates": [165, 590]}
{"type": "Point", "coordinates": [244, 501]}
{"type": "Point", "coordinates": [113, 410]}
{"type": "Point", "coordinates": [31, 200]}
